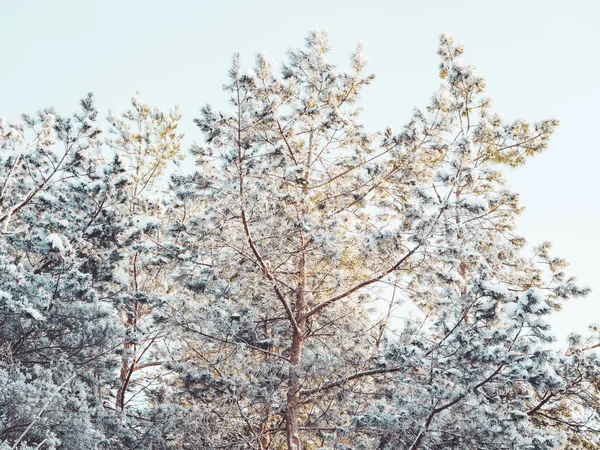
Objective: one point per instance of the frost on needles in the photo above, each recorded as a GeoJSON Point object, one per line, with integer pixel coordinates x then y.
{"type": "Point", "coordinates": [309, 285]}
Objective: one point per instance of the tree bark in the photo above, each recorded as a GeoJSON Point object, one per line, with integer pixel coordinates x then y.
{"type": "Point", "coordinates": [123, 375]}
{"type": "Point", "coordinates": [293, 394]}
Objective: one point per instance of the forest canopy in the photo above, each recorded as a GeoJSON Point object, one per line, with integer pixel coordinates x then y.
{"type": "Point", "coordinates": [307, 285]}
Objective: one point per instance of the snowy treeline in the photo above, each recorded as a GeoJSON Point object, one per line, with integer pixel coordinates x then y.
{"type": "Point", "coordinates": [309, 285]}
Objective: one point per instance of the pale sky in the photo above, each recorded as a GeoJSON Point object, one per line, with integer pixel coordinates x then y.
{"type": "Point", "coordinates": [541, 59]}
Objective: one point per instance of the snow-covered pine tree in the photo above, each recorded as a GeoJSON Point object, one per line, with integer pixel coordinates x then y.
{"type": "Point", "coordinates": [304, 219]}
{"type": "Point", "coordinates": [474, 368]}
{"type": "Point", "coordinates": [243, 309]}
{"type": "Point", "coordinates": [145, 139]}
{"type": "Point", "coordinates": [57, 326]}
{"type": "Point", "coordinates": [70, 223]}
{"type": "Point", "coordinates": [284, 227]}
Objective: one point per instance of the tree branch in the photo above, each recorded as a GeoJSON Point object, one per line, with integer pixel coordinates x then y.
{"type": "Point", "coordinates": [361, 285]}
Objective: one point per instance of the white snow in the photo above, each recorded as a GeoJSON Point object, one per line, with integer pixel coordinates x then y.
{"type": "Point", "coordinates": [120, 276]}
{"type": "Point", "coordinates": [34, 313]}
{"type": "Point", "coordinates": [55, 243]}
{"type": "Point", "coordinates": [47, 197]}
{"type": "Point", "coordinates": [498, 289]}
{"type": "Point", "coordinates": [185, 255]}
{"type": "Point", "coordinates": [146, 222]}
{"type": "Point", "coordinates": [122, 178]}
{"type": "Point", "coordinates": [475, 204]}
{"type": "Point", "coordinates": [511, 308]}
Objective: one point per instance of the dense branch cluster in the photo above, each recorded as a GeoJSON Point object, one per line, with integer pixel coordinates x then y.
{"type": "Point", "coordinates": [309, 285]}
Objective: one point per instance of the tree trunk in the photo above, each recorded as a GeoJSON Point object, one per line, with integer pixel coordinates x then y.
{"type": "Point", "coordinates": [125, 370]}
{"type": "Point", "coordinates": [129, 322]}
{"type": "Point", "coordinates": [123, 375]}
{"type": "Point", "coordinates": [293, 394]}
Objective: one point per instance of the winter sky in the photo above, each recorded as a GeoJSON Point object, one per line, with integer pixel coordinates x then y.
{"type": "Point", "coordinates": [541, 59]}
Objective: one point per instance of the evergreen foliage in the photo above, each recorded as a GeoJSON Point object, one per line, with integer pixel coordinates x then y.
{"type": "Point", "coordinates": [310, 285]}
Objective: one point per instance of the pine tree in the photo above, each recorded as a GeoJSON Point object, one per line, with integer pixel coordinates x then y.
{"type": "Point", "coordinates": [145, 140]}
{"type": "Point", "coordinates": [69, 225]}
{"type": "Point", "coordinates": [474, 368]}
{"type": "Point", "coordinates": [56, 326]}
{"type": "Point", "coordinates": [310, 285]}
{"type": "Point", "coordinates": [303, 219]}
